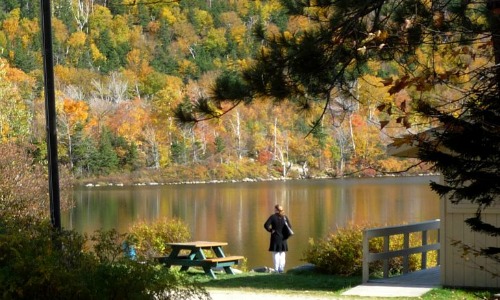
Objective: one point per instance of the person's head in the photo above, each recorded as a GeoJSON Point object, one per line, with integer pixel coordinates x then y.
{"type": "Point", "coordinates": [279, 209]}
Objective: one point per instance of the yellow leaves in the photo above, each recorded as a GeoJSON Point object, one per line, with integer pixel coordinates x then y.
{"type": "Point", "coordinates": [243, 63]}
{"type": "Point", "coordinates": [18, 77]}
{"type": "Point", "coordinates": [134, 59]}
{"type": "Point", "coordinates": [77, 40]}
{"type": "Point", "coordinates": [371, 90]}
{"type": "Point", "coordinates": [216, 39]}
{"type": "Point", "coordinates": [15, 27]}
{"type": "Point", "coordinates": [101, 18]}
{"type": "Point", "coordinates": [3, 40]}
{"type": "Point", "coordinates": [238, 34]}
{"type": "Point", "coordinates": [169, 15]}
{"type": "Point", "coordinates": [11, 24]}
{"type": "Point", "coordinates": [96, 54]}
{"type": "Point", "coordinates": [186, 34]}
{"type": "Point", "coordinates": [170, 95]}
{"type": "Point", "coordinates": [138, 67]}
{"type": "Point", "coordinates": [15, 116]}
{"type": "Point", "coordinates": [120, 29]}
{"type": "Point", "coordinates": [268, 8]}
{"type": "Point", "coordinates": [230, 19]}
{"type": "Point", "coordinates": [202, 19]}
{"type": "Point", "coordinates": [29, 29]}
{"type": "Point", "coordinates": [60, 31]}
{"type": "Point", "coordinates": [287, 35]}
{"type": "Point", "coordinates": [298, 23]}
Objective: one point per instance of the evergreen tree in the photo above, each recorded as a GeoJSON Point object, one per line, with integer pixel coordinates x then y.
{"type": "Point", "coordinates": [108, 159]}
{"type": "Point", "coordinates": [178, 150]}
{"type": "Point", "coordinates": [108, 49]}
{"type": "Point", "coordinates": [220, 146]}
{"type": "Point", "coordinates": [85, 154]}
{"type": "Point", "coordinates": [24, 58]}
{"type": "Point", "coordinates": [127, 153]}
{"type": "Point", "coordinates": [163, 61]}
{"type": "Point", "coordinates": [62, 11]}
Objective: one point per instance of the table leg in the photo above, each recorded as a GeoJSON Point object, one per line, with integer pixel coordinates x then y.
{"type": "Point", "coordinates": [210, 272]}
{"type": "Point", "coordinates": [173, 254]}
{"type": "Point", "coordinates": [191, 257]}
{"type": "Point", "coordinates": [218, 251]}
{"type": "Point", "coordinates": [229, 270]}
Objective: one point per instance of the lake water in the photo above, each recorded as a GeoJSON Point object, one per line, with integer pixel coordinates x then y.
{"type": "Point", "coordinates": [235, 212]}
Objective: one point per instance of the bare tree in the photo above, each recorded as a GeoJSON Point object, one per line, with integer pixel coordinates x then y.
{"type": "Point", "coordinates": [81, 12]}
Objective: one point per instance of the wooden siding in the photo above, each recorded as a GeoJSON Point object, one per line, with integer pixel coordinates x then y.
{"type": "Point", "coordinates": [457, 269]}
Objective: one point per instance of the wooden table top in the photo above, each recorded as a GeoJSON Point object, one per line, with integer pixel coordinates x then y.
{"type": "Point", "coordinates": [198, 244]}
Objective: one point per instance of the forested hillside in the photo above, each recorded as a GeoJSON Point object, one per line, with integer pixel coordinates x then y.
{"type": "Point", "coordinates": [121, 66]}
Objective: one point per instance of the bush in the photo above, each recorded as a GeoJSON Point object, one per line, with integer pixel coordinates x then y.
{"type": "Point", "coordinates": [341, 253]}
{"type": "Point", "coordinates": [39, 263]}
{"type": "Point", "coordinates": [150, 241]}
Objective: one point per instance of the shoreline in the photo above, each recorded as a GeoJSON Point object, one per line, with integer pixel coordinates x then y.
{"type": "Point", "coordinates": [99, 183]}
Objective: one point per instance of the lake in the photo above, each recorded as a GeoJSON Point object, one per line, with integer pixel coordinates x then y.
{"type": "Point", "coordinates": [236, 212]}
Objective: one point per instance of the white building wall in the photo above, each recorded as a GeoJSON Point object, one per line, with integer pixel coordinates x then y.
{"type": "Point", "coordinates": [460, 268]}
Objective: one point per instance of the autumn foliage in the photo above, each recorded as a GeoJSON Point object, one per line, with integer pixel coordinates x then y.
{"type": "Point", "coordinates": [121, 70]}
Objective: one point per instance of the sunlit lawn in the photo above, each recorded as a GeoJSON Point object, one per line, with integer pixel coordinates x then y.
{"type": "Point", "coordinates": [311, 282]}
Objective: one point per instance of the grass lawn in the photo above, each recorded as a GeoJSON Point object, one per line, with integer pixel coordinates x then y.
{"type": "Point", "coordinates": [310, 282]}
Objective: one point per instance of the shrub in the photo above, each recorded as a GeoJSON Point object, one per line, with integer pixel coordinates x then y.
{"type": "Point", "coordinates": [39, 263]}
{"type": "Point", "coordinates": [150, 240]}
{"type": "Point", "coordinates": [341, 253]}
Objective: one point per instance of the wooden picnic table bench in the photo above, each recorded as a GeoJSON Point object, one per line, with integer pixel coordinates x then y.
{"type": "Point", "coordinates": [197, 258]}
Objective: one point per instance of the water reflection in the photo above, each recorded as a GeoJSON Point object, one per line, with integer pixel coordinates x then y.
{"type": "Point", "coordinates": [236, 212]}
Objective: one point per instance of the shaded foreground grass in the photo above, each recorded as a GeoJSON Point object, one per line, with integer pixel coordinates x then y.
{"type": "Point", "coordinates": [313, 283]}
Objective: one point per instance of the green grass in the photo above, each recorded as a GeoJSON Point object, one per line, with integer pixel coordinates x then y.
{"type": "Point", "coordinates": [310, 282]}
{"type": "Point", "coordinates": [282, 283]}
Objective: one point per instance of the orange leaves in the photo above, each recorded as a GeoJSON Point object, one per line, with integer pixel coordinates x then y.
{"type": "Point", "coordinates": [130, 120]}
{"type": "Point", "coordinates": [76, 111]}
{"type": "Point", "coordinates": [358, 120]}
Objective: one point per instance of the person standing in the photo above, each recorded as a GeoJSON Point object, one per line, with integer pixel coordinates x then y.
{"type": "Point", "coordinates": [278, 245]}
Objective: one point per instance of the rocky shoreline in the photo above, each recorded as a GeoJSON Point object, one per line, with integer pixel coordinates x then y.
{"type": "Point", "coordinates": [120, 184]}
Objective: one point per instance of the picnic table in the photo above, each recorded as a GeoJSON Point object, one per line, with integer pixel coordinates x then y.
{"type": "Point", "coordinates": [196, 257]}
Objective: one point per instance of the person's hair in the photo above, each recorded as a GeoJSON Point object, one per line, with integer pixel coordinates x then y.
{"type": "Point", "coordinates": [280, 210]}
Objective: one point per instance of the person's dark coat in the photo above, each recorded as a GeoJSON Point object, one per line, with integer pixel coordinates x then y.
{"type": "Point", "coordinates": [275, 224]}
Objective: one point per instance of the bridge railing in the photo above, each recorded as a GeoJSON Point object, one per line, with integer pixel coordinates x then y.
{"type": "Point", "coordinates": [405, 252]}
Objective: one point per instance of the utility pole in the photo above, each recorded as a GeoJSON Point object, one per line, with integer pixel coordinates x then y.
{"type": "Point", "coordinates": [50, 115]}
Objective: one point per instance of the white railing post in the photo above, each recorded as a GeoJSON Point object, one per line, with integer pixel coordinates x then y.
{"type": "Point", "coordinates": [366, 253]}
